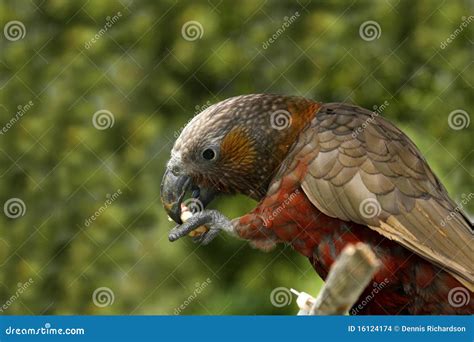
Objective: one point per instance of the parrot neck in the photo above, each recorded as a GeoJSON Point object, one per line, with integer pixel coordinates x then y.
{"type": "Point", "coordinates": [272, 152]}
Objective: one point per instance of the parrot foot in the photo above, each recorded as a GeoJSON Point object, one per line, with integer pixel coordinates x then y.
{"type": "Point", "coordinates": [213, 219]}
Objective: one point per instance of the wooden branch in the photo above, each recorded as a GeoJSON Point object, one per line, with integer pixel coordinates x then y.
{"type": "Point", "coordinates": [347, 279]}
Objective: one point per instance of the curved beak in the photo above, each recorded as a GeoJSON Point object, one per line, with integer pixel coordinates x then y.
{"type": "Point", "coordinates": [173, 189]}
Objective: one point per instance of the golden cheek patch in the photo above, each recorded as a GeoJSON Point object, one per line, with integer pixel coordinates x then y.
{"type": "Point", "coordinates": [237, 149]}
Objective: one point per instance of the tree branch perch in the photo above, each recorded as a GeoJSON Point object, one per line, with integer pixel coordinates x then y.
{"type": "Point", "coordinates": [347, 279]}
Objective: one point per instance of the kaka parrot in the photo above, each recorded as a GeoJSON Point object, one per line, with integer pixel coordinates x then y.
{"type": "Point", "coordinates": [326, 175]}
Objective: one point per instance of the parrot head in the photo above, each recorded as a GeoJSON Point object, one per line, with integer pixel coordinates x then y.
{"type": "Point", "coordinates": [234, 146]}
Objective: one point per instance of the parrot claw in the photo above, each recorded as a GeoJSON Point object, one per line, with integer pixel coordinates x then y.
{"type": "Point", "coordinates": [207, 237]}
{"type": "Point", "coordinates": [213, 219]}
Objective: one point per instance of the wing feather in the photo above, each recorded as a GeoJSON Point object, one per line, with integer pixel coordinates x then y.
{"type": "Point", "coordinates": [362, 156]}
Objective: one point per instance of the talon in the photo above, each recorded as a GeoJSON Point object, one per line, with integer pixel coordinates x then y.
{"type": "Point", "coordinates": [186, 214]}
{"type": "Point", "coordinates": [198, 239]}
{"type": "Point", "coordinates": [173, 237]}
{"type": "Point", "coordinates": [192, 222]}
{"type": "Point", "coordinates": [212, 220]}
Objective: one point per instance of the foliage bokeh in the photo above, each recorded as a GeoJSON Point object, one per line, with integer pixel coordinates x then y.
{"type": "Point", "coordinates": [153, 80]}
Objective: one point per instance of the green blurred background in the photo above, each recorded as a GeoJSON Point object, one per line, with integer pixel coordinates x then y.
{"type": "Point", "coordinates": [153, 75]}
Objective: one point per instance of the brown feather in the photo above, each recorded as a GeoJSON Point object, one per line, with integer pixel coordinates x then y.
{"type": "Point", "coordinates": [414, 206]}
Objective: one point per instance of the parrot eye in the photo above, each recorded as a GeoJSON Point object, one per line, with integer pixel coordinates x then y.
{"type": "Point", "coordinates": [209, 154]}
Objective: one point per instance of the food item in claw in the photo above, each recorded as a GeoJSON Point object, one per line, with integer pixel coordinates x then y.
{"type": "Point", "coordinates": [186, 214]}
